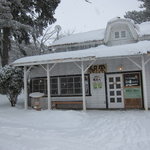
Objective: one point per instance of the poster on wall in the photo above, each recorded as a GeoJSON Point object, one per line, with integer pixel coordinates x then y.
{"type": "Point", "coordinates": [97, 82]}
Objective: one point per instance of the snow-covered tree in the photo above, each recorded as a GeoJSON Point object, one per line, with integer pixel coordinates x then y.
{"type": "Point", "coordinates": [140, 16]}
{"type": "Point", "coordinates": [22, 19]}
{"type": "Point", "coordinates": [11, 83]}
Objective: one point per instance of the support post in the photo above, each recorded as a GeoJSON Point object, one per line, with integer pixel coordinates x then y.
{"type": "Point", "coordinates": [144, 84]}
{"type": "Point", "coordinates": [83, 86]}
{"type": "Point", "coordinates": [48, 87]}
{"type": "Point", "coordinates": [25, 88]}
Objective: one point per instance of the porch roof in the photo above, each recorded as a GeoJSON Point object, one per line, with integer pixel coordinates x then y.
{"type": "Point", "coordinates": [102, 51]}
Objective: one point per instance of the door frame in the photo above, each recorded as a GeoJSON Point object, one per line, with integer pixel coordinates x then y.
{"type": "Point", "coordinates": [123, 72]}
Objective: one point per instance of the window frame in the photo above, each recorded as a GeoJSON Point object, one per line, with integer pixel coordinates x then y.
{"type": "Point", "coordinates": [117, 35]}
{"type": "Point", "coordinates": [123, 34]}
{"type": "Point", "coordinates": [120, 34]}
{"type": "Point", "coordinates": [59, 94]}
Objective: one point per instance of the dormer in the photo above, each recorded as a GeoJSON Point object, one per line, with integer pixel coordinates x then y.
{"type": "Point", "coordinates": [120, 31]}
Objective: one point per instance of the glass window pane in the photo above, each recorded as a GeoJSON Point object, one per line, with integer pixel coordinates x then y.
{"type": "Point", "coordinates": [70, 79]}
{"type": "Point", "coordinates": [53, 80]}
{"type": "Point", "coordinates": [77, 85]}
{"type": "Point", "coordinates": [118, 93]}
{"type": "Point", "coordinates": [77, 79]}
{"type": "Point", "coordinates": [63, 80]}
{"type": "Point", "coordinates": [70, 91]}
{"type": "Point", "coordinates": [41, 81]}
{"type": "Point", "coordinates": [35, 88]}
{"type": "Point", "coordinates": [111, 86]}
{"type": "Point", "coordinates": [35, 81]}
{"type": "Point", "coordinates": [119, 100]}
{"type": "Point", "coordinates": [42, 86]}
{"type": "Point", "coordinates": [64, 85]}
{"type": "Point", "coordinates": [118, 86]}
{"type": "Point", "coordinates": [53, 86]}
{"type": "Point", "coordinates": [116, 34]}
{"type": "Point", "coordinates": [112, 93]}
{"type": "Point", "coordinates": [78, 91]}
{"type": "Point", "coordinates": [54, 92]}
{"type": "Point", "coordinates": [117, 79]}
{"type": "Point", "coordinates": [63, 91]}
{"type": "Point", "coordinates": [123, 33]}
{"type": "Point", "coordinates": [70, 85]}
{"type": "Point", "coordinates": [111, 79]}
{"type": "Point", "coordinates": [112, 100]}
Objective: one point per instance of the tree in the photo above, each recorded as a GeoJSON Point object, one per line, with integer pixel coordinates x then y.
{"type": "Point", "coordinates": [24, 19]}
{"type": "Point", "coordinates": [11, 83]}
{"type": "Point", "coordinates": [140, 16]}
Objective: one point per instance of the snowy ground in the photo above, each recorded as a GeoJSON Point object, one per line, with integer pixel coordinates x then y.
{"type": "Point", "coordinates": [72, 130]}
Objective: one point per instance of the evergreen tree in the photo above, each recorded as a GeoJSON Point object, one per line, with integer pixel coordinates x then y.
{"type": "Point", "coordinates": [140, 16]}
{"type": "Point", "coordinates": [21, 19]}
{"type": "Point", "coordinates": [11, 83]}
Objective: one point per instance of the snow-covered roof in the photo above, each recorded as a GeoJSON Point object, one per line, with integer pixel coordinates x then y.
{"type": "Point", "coordinates": [81, 37]}
{"type": "Point", "coordinates": [97, 52]}
{"type": "Point", "coordinates": [143, 29]}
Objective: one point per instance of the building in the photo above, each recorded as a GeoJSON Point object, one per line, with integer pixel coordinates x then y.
{"type": "Point", "coordinates": [103, 69]}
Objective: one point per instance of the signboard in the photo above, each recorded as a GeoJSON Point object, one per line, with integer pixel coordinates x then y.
{"type": "Point", "coordinates": [132, 79]}
{"type": "Point", "coordinates": [97, 68]}
{"type": "Point", "coordinates": [132, 93]}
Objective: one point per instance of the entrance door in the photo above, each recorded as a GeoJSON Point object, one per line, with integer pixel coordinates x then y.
{"type": "Point", "coordinates": [115, 91]}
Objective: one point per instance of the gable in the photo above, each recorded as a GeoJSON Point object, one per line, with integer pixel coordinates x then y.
{"type": "Point", "coordinates": [120, 31]}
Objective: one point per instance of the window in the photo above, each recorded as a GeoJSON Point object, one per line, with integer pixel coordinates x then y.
{"type": "Point", "coordinates": [70, 85]}
{"type": "Point", "coordinates": [39, 85]}
{"type": "Point", "coordinates": [54, 86]}
{"type": "Point", "coordinates": [116, 35]}
{"type": "Point", "coordinates": [123, 34]}
{"type": "Point", "coordinates": [61, 86]}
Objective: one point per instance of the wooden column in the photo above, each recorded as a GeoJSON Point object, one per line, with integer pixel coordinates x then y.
{"type": "Point", "coordinates": [83, 86]}
{"type": "Point", "coordinates": [48, 87]}
{"type": "Point", "coordinates": [25, 88]}
{"type": "Point", "coordinates": [144, 83]}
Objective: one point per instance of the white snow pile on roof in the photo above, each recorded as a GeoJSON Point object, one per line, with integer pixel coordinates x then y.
{"type": "Point", "coordinates": [144, 28]}
{"type": "Point", "coordinates": [81, 37]}
{"type": "Point", "coordinates": [98, 52]}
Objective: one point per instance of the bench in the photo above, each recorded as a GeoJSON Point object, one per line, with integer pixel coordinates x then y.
{"type": "Point", "coordinates": [55, 103]}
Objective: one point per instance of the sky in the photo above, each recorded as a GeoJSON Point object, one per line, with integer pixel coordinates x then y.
{"type": "Point", "coordinates": [80, 16]}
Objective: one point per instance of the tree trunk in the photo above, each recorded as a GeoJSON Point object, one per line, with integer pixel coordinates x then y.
{"type": "Point", "coordinates": [12, 104]}
{"type": "Point", "coordinates": [12, 99]}
{"type": "Point", "coordinates": [6, 46]}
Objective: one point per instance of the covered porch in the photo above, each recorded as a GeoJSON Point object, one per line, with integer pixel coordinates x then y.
{"type": "Point", "coordinates": [82, 60]}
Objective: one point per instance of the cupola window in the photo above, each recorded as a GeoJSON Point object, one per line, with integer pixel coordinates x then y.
{"type": "Point", "coordinates": [116, 35]}
{"type": "Point", "coordinates": [123, 34]}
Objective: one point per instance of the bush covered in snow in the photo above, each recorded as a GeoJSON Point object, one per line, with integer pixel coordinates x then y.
{"type": "Point", "coordinates": [11, 82]}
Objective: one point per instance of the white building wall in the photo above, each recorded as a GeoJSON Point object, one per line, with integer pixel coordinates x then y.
{"type": "Point", "coordinates": [98, 96]}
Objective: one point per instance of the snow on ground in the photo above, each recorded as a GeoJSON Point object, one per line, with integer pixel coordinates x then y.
{"type": "Point", "coordinates": [72, 130]}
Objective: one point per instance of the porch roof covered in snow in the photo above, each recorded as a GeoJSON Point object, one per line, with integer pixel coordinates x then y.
{"type": "Point", "coordinates": [102, 51]}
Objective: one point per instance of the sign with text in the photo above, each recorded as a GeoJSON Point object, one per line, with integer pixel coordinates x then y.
{"type": "Point", "coordinates": [132, 93]}
{"type": "Point", "coordinates": [132, 79]}
{"type": "Point", "coordinates": [98, 68]}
